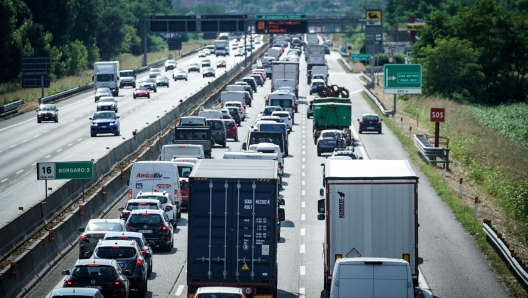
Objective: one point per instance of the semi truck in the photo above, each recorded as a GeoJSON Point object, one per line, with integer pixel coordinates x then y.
{"type": "Point", "coordinates": [106, 75]}
{"type": "Point", "coordinates": [233, 226]}
{"type": "Point", "coordinates": [370, 209]}
{"type": "Point", "coordinates": [315, 55]}
{"type": "Point", "coordinates": [221, 47]}
{"type": "Point", "coordinates": [285, 70]}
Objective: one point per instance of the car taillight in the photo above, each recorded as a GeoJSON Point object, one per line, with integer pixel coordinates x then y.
{"type": "Point", "coordinates": [139, 262]}
{"type": "Point", "coordinates": [117, 283]}
{"type": "Point", "coordinates": [130, 194]}
{"type": "Point", "coordinates": [168, 208]}
{"type": "Point", "coordinates": [379, 121]}
{"type": "Point", "coordinates": [130, 228]}
{"type": "Point", "coordinates": [163, 228]}
{"type": "Point", "coordinates": [84, 238]}
{"type": "Point", "coordinates": [243, 102]}
{"type": "Point", "coordinates": [176, 195]}
{"type": "Point", "coordinates": [69, 283]}
{"type": "Point", "coordinates": [143, 251]}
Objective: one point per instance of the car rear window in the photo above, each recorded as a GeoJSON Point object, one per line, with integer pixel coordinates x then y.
{"type": "Point", "coordinates": [184, 171]}
{"type": "Point", "coordinates": [93, 271]}
{"type": "Point", "coordinates": [285, 103]}
{"type": "Point", "coordinates": [218, 295]}
{"type": "Point", "coordinates": [136, 206]}
{"type": "Point", "coordinates": [229, 123]}
{"type": "Point", "coordinates": [115, 252]}
{"type": "Point", "coordinates": [139, 241]}
{"type": "Point", "coordinates": [104, 226]}
{"type": "Point", "coordinates": [371, 118]}
{"type": "Point", "coordinates": [162, 199]}
{"type": "Point", "coordinates": [145, 219]}
{"type": "Point", "coordinates": [329, 135]}
{"type": "Point", "coordinates": [191, 135]}
{"type": "Point", "coordinates": [215, 125]}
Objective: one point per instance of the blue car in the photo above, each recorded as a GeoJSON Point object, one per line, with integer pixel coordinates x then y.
{"type": "Point", "coordinates": [105, 122]}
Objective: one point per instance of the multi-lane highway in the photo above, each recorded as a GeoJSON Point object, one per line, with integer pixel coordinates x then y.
{"type": "Point", "coordinates": [26, 142]}
{"type": "Point", "coordinates": [450, 263]}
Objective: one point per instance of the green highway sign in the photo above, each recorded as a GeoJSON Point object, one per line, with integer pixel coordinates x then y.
{"type": "Point", "coordinates": [402, 78]}
{"type": "Point", "coordinates": [280, 16]}
{"type": "Point", "coordinates": [361, 57]}
{"type": "Point", "coordinates": [65, 170]}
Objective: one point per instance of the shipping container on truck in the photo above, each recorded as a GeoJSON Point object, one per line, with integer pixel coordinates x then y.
{"type": "Point", "coordinates": [233, 226]}
{"type": "Point", "coordinates": [370, 209]}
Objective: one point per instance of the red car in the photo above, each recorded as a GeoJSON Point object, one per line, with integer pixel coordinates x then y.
{"type": "Point", "coordinates": [142, 91]}
{"type": "Point", "coordinates": [231, 129]}
{"type": "Point", "coordinates": [220, 64]}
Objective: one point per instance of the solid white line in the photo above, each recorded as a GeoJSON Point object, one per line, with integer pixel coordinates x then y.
{"type": "Point", "coordinates": [46, 131]}
{"type": "Point", "coordinates": [303, 192]}
{"type": "Point", "coordinates": [4, 180]}
{"type": "Point", "coordinates": [36, 136]}
{"type": "Point", "coordinates": [303, 204]}
{"type": "Point", "coordinates": [302, 248]}
{"type": "Point", "coordinates": [303, 270]}
{"type": "Point", "coordinates": [20, 171]}
{"type": "Point", "coordinates": [59, 150]}
{"type": "Point", "coordinates": [79, 140]}
{"type": "Point", "coordinates": [47, 156]}
{"type": "Point", "coordinates": [13, 146]}
{"type": "Point", "coordinates": [179, 290]}
{"type": "Point", "coordinates": [303, 216]}
{"type": "Point", "coordinates": [303, 231]}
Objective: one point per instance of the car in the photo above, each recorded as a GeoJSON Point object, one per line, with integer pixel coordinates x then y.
{"type": "Point", "coordinates": [75, 292]}
{"type": "Point", "coordinates": [238, 105]}
{"type": "Point", "coordinates": [348, 153]}
{"type": "Point", "coordinates": [162, 81]}
{"type": "Point", "coordinates": [154, 72]}
{"type": "Point", "coordinates": [94, 231]}
{"type": "Point", "coordinates": [370, 122]}
{"type": "Point", "coordinates": [327, 50]}
{"type": "Point", "coordinates": [292, 58]}
{"type": "Point", "coordinates": [144, 245]}
{"type": "Point", "coordinates": [233, 112]}
{"type": "Point", "coordinates": [193, 67]}
{"type": "Point", "coordinates": [286, 118]}
{"type": "Point", "coordinates": [328, 43]}
{"type": "Point", "coordinates": [208, 72]}
{"type": "Point", "coordinates": [270, 118]}
{"type": "Point", "coordinates": [294, 52]}
{"type": "Point", "coordinates": [240, 52]}
{"type": "Point", "coordinates": [231, 129]}
{"type": "Point", "coordinates": [179, 74]}
{"type": "Point", "coordinates": [100, 92]}
{"type": "Point", "coordinates": [251, 82]}
{"type": "Point", "coordinates": [155, 225]}
{"type": "Point", "coordinates": [170, 64]}
{"type": "Point", "coordinates": [246, 86]}
{"type": "Point", "coordinates": [318, 77]}
{"type": "Point", "coordinates": [103, 274]}
{"type": "Point", "coordinates": [327, 141]}
{"type": "Point", "coordinates": [141, 91]}
{"type": "Point", "coordinates": [107, 103]}
{"type": "Point", "coordinates": [202, 53]}
{"type": "Point", "coordinates": [262, 72]}
{"type": "Point", "coordinates": [221, 64]}
{"type": "Point", "coordinates": [171, 206]}
{"type": "Point", "coordinates": [218, 131]}
{"type": "Point", "coordinates": [220, 292]}
{"type": "Point", "coordinates": [138, 204]}
{"type": "Point", "coordinates": [105, 122]}
{"type": "Point", "coordinates": [268, 110]}
{"type": "Point", "coordinates": [315, 84]}
{"type": "Point", "coordinates": [150, 83]}
{"type": "Point", "coordinates": [258, 79]}
{"type": "Point", "coordinates": [47, 112]}
{"type": "Point", "coordinates": [210, 49]}
{"type": "Point", "coordinates": [129, 257]}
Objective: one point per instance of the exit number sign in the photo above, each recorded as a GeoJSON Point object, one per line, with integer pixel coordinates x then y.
{"type": "Point", "coordinates": [437, 115]}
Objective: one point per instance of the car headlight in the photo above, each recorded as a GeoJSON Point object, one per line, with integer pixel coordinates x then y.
{"type": "Point", "coordinates": [94, 123]}
{"type": "Point", "coordinates": [113, 123]}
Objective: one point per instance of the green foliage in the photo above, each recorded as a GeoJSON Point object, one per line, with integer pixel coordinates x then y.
{"type": "Point", "coordinates": [156, 43]}
{"type": "Point", "coordinates": [11, 49]}
{"type": "Point", "coordinates": [75, 57]}
{"type": "Point", "coordinates": [131, 42]}
{"type": "Point", "coordinates": [382, 59]}
{"type": "Point", "coordinates": [109, 34]}
{"type": "Point", "coordinates": [282, 7]}
{"type": "Point", "coordinates": [208, 8]}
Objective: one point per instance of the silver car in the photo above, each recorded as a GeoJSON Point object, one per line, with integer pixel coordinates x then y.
{"type": "Point", "coordinates": [107, 103]}
{"type": "Point", "coordinates": [102, 92]}
{"type": "Point", "coordinates": [179, 74]}
{"type": "Point", "coordinates": [154, 72]}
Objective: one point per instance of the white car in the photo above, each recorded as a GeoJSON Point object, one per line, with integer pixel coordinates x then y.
{"type": "Point", "coordinates": [179, 74]}
{"type": "Point", "coordinates": [171, 207]}
{"type": "Point", "coordinates": [107, 103]}
{"type": "Point", "coordinates": [286, 118]}
{"type": "Point", "coordinates": [202, 53]}
{"type": "Point", "coordinates": [170, 64]}
{"type": "Point", "coordinates": [315, 84]}
{"type": "Point", "coordinates": [239, 106]}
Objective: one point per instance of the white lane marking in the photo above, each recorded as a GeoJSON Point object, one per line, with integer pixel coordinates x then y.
{"type": "Point", "coordinates": [303, 204]}
{"type": "Point", "coordinates": [303, 270]}
{"type": "Point", "coordinates": [59, 150]}
{"type": "Point", "coordinates": [303, 192]}
{"type": "Point", "coordinates": [303, 182]}
{"type": "Point", "coordinates": [20, 171]}
{"type": "Point", "coordinates": [46, 131]}
{"type": "Point", "coordinates": [303, 174]}
{"type": "Point", "coordinates": [303, 159]}
{"type": "Point", "coordinates": [70, 144]}
{"type": "Point", "coordinates": [302, 248]}
{"type": "Point", "coordinates": [303, 216]}
{"type": "Point", "coordinates": [24, 141]}
{"type": "Point", "coordinates": [304, 141]}
{"type": "Point", "coordinates": [179, 290]}
{"type": "Point", "coordinates": [33, 163]}
{"type": "Point", "coordinates": [301, 293]}
{"type": "Point", "coordinates": [4, 180]}
{"type": "Point", "coordinates": [13, 146]}
{"type": "Point", "coordinates": [303, 231]}
{"type": "Point", "coordinates": [47, 156]}
{"type": "Point", "coordinates": [36, 136]}
{"type": "Point", "coordinates": [79, 140]}
{"type": "Point", "coordinates": [359, 90]}
{"type": "Point", "coordinates": [303, 166]}
{"type": "Point", "coordinates": [304, 152]}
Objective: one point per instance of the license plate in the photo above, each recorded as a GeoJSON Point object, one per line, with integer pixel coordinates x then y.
{"type": "Point", "coordinates": [123, 265]}
{"type": "Point", "coordinates": [370, 127]}
{"type": "Point", "coordinates": [94, 287]}
{"type": "Point", "coordinates": [145, 231]}
{"type": "Point", "coordinates": [103, 126]}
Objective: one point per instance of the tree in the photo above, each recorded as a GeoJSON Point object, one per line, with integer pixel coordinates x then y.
{"type": "Point", "coordinates": [57, 17]}
{"type": "Point", "coordinates": [10, 60]}
{"type": "Point", "coordinates": [281, 7]}
{"type": "Point", "coordinates": [208, 8]}
{"type": "Point", "coordinates": [110, 34]}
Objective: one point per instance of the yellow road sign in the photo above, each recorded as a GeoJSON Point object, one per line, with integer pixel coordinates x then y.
{"type": "Point", "coordinates": [416, 26]}
{"type": "Point", "coordinates": [373, 15]}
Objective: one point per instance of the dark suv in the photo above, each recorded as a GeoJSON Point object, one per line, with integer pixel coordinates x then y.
{"type": "Point", "coordinates": [251, 82]}
{"type": "Point", "coordinates": [370, 122]}
{"type": "Point", "coordinates": [155, 225]}
{"type": "Point", "coordinates": [218, 131]}
{"type": "Point", "coordinates": [102, 274]}
{"type": "Point", "coordinates": [95, 230]}
{"type": "Point", "coordinates": [129, 257]}
{"type": "Point", "coordinates": [144, 245]}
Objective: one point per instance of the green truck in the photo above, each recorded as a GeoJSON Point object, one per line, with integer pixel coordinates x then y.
{"type": "Point", "coordinates": [328, 114]}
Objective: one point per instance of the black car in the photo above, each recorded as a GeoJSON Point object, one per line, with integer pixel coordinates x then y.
{"type": "Point", "coordinates": [258, 79]}
{"type": "Point", "coordinates": [155, 225]}
{"type": "Point", "coordinates": [370, 122]}
{"type": "Point", "coordinates": [150, 84]}
{"type": "Point", "coordinates": [103, 274]}
{"type": "Point", "coordinates": [162, 81]}
{"type": "Point", "coordinates": [129, 257]}
{"type": "Point", "coordinates": [234, 114]}
{"type": "Point", "coordinates": [218, 131]}
{"type": "Point", "coordinates": [208, 72]}
{"type": "Point", "coordinates": [144, 245]}
{"type": "Point", "coordinates": [251, 82]}
{"type": "Point", "coordinates": [47, 112]}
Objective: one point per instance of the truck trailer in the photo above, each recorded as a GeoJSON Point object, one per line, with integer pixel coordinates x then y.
{"type": "Point", "coordinates": [370, 209]}
{"type": "Point", "coordinates": [234, 223]}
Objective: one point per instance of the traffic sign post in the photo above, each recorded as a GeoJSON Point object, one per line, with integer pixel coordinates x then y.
{"type": "Point", "coordinates": [437, 115]}
{"type": "Point", "coordinates": [361, 57]}
{"type": "Point", "coordinates": [402, 78]}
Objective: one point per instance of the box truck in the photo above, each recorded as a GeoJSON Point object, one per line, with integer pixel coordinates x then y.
{"type": "Point", "coordinates": [285, 70]}
{"type": "Point", "coordinates": [370, 209]}
{"type": "Point", "coordinates": [106, 74]}
{"type": "Point", "coordinates": [233, 226]}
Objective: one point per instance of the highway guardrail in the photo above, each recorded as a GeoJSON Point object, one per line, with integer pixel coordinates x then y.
{"type": "Point", "coordinates": [10, 108]}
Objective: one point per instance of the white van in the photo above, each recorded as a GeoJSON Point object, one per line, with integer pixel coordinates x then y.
{"type": "Point", "coordinates": [169, 152]}
{"type": "Point", "coordinates": [185, 159]}
{"type": "Point", "coordinates": [154, 176]}
{"type": "Point", "coordinates": [320, 70]}
{"type": "Point", "coordinates": [193, 121]}
{"type": "Point", "coordinates": [269, 148]}
{"type": "Point", "coordinates": [210, 114]}
{"type": "Point", "coordinates": [239, 96]}
{"type": "Point", "coordinates": [371, 278]}
{"type": "Point", "coordinates": [283, 99]}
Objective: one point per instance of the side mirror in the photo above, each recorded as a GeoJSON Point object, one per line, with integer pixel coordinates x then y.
{"type": "Point", "coordinates": [361, 157]}
{"type": "Point", "coordinates": [90, 119]}
{"type": "Point", "coordinates": [282, 214]}
{"type": "Point", "coordinates": [88, 254]}
{"type": "Point", "coordinates": [321, 192]}
{"type": "Point", "coordinates": [282, 202]}
{"type": "Point", "coordinates": [172, 222]}
{"type": "Point", "coordinates": [320, 217]}
{"type": "Point", "coordinates": [58, 110]}
{"type": "Point", "coordinates": [381, 119]}
{"type": "Point", "coordinates": [244, 146]}
{"type": "Point", "coordinates": [66, 272]}
{"type": "Point", "coordinates": [152, 243]}
{"type": "Point", "coordinates": [118, 117]}
{"type": "Point", "coordinates": [168, 208]}
{"type": "Point", "coordinates": [128, 273]}
{"type": "Point", "coordinates": [36, 110]}
{"type": "Point", "coordinates": [121, 208]}
{"type": "Point", "coordinates": [321, 206]}
{"type": "Point", "coordinates": [81, 230]}
{"type": "Point", "coordinates": [148, 255]}
{"type": "Point", "coordinates": [92, 78]}
{"type": "Point", "coordinates": [128, 182]}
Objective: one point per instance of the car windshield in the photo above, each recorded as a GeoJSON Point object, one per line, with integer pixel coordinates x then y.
{"type": "Point", "coordinates": [229, 104]}
{"type": "Point", "coordinates": [162, 78]}
{"type": "Point", "coordinates": [281, 114]}
{"type": "Point", "coordinates": [139, 241]}
{"type": "Point", "coordinates": [93, 271]}
{"type": "Point", "coordinates": [104, 226]}
{"type": "Point", "coordinates": [318, 84]}
{"type": "Point", "coordinates": [184, 171]}
{"type": "Point", "coordinates": [149, 81]}
{"type": "Point", "coordinates": [215, 125]}
{"type": "Point", "coordinates": [229, 124]}
{"type": "Point", "coordinates": [162, 199]}
{"type": "Point", "coordinates": [104, 116]}
{"type": "Point", "coordinates": [328, 134]}
{"type": "Point", "coordinates": [145, 218]}
{"type": "Point", "coordinates": [135, 206]}
{"type": "Point", "coordinates": [115, 252]}
{"type": "Point", "coordinates": [47, 108]}
{"type": "Point", "coordinates": [218, 295]}
{"type": "Point", "coordinates": [103, 90]}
